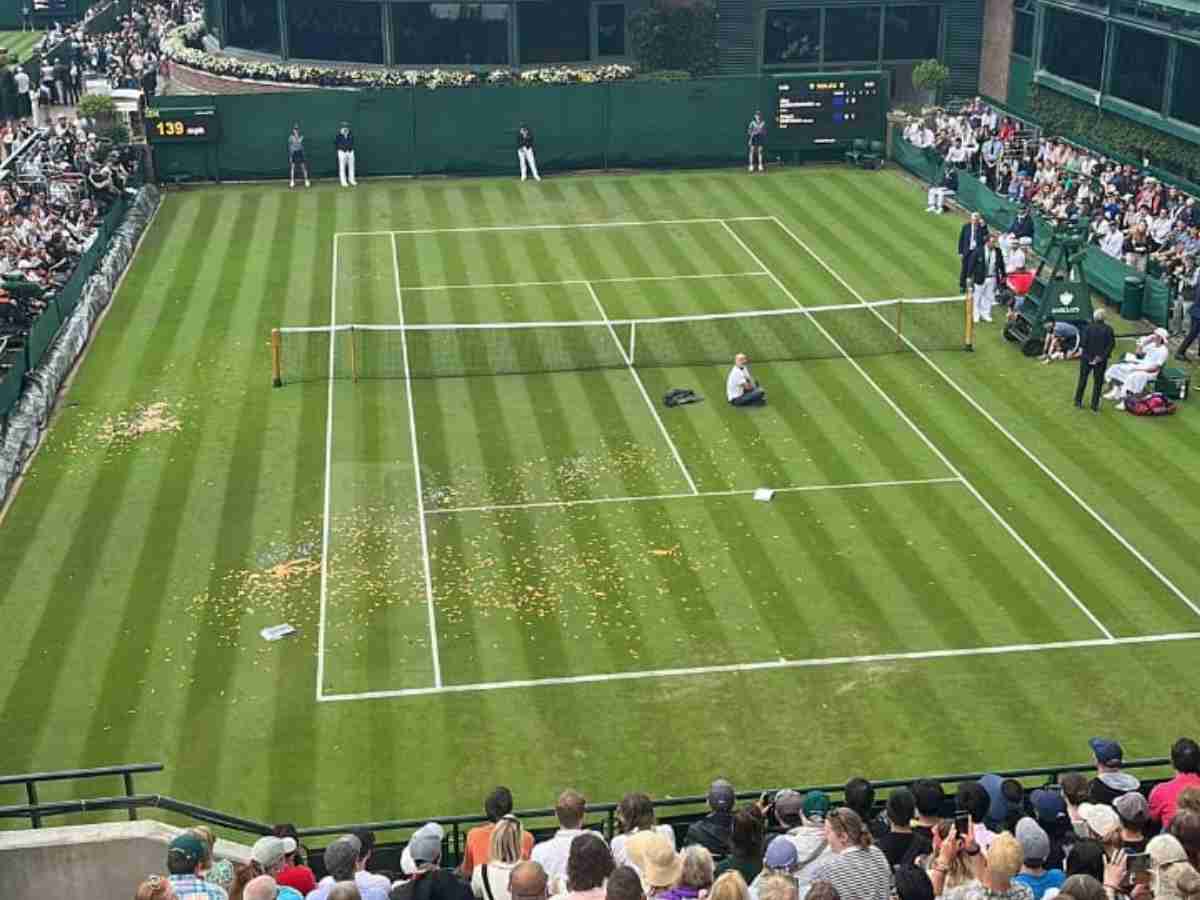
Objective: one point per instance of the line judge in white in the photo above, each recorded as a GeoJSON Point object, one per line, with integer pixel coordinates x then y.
{"type": "Point", "coordinates": [740, 386]}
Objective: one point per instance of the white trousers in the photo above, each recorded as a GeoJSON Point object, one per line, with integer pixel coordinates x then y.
{"type": "Point", "coordinates": [346, 167]}
{"type": "Point", "coordinates": [937, 197]}
{"type": "Point", "coordinates": [985, 297]}
{"type": "Point", "coordinates": [526, 159]}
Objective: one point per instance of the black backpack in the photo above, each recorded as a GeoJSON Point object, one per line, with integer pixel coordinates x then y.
{"type": "Point", "coordinates": [680, 397]}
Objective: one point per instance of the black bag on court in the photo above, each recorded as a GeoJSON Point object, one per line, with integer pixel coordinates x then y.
{"type": "Point", "coordinates": [680, 397]}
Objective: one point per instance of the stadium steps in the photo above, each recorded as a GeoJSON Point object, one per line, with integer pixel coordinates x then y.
{"type": "Point", "coordinates": [735, 38]}
{"type": "Point", "coordinates": [964, 44]}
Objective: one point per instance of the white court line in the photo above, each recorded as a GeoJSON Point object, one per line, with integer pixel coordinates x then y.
{"type": "Point", "coordinates": [592, 501]}
{"type": "Point", "coordinates": [556, 226]}
{"type": "Point", "coordinates": [687, 476]}
{"type": "Point", "coordinates": [568, 281]}
{"type": "Point", "coordinates": [930, 444]}
{"type": "Point", "coordinates": [412, 430]}
{"type": "Point", "coordinates": [328, 480]}
{"type": "Point", "coordinates": [1030, 455]}
{"type": "Point", "coordinates": [768, 665]}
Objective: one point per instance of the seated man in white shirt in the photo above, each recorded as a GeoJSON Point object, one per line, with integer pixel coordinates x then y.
{"type": "Point", "coordinates": [1133, 375]}
{"type": "Point", "coordinates": [740, 386]}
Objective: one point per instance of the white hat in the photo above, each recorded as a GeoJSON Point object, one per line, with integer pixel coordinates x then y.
{"type": "Point", "coordinates": [1162, 333]}
{"type": "Point", "coordinates": [1101, 819]}
{"type": "Point", "coordinates": [1026, 242]}
{"type": "Point", "coordinates": [269, 851]}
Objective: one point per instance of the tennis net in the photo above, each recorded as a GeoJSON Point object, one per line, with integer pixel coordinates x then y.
{"type": "Point", "coordinates": [512, 348]}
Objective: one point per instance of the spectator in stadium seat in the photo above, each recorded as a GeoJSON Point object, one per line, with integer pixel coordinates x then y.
{"type": "Point", "coordinates": [635, 818]}
{"type": "Point", "coordinates": [185, 860]}
{"type": "Point", "coordinates": [730, 886]}
{"type": "Point", "coordinates": [975, 802]}
{"type": "Point", "coordinates": [959, 870]}
{"type": "Point", "coordinates": [1132, 812]}
{"type": "Point", "coordinates": [912, 883]}
{"type": "Point", "coordinates": [1102, 823]}
{"type": "Point", "coordinates": [553, 854]}
{"type": "Point", "coordinates": [345, 890]}
{"type": "Point", "coordinates": [1087, 857]}
{"type": "Point", "coordinates": [929, 798]}
{"type": "Point", "coordinates": [1172, 875]}
{"type": "Point", "coordinates": [589, 863]}
{"type": "Point", "coordinates": [745, 845]}
{"type": "Point", "coordinates": [496, 805]}
{"type": "Point", "coordinates": [695, 874]}
{"type": "Point", "coordinates": [368, 881]}
{"type": "Point", "coordinates": [857, 868]}
{"type": "Point", "coordinates": [714, 829]}
{"type": "Point", "coordinates": [1110, 782]}
{"type": "Point", "coordinates": [660, 866]}
{"type": "Point", "coordinates": [342, 863]}
{"type": "Point", "coordinates": [529, 882]}
{"type": "Point", "coordinates": [809, 835]}
{"type": "Point", "coordinates": [1075, 793]}
{"type": "Point", "coordinates": [295, 873]}
{"type": "Point", "coordinates": [430, 881]}
{"type": "Point", "coordinates": [777, 887]}
{"type": "Point", "coordinates": [156, 887]}
{"type": "Point", "coordinates": [899, 838]}
{"type": "Point", "coordinates": [1185, 827]}
{"type": "Point", "coordinates": [268, 857]}
{"type": "Point", "coordinates": [263, 887]}
{"type": "Point", "coordinates": [490, 880]}
{"type": "Point", "coordinates": [995, 869]}
{"type": "Point", "coordinates": [1050, 812]}
{"type": "Point", "coordinates": [1035, 847]}
{"type": "Point", "coordinates": [1185, 753]}
{"type": "Point", "coordinates": [624, 884]}
{"type": "Point", "coordinates": [1082, 887]}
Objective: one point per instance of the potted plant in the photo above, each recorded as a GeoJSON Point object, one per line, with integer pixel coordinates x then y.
{"type": "Point", "coordinates": [100, 108]}
{"type": "Point", "coordinates": [928, 78]}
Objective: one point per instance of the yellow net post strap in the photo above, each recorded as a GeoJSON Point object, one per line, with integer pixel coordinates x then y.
{"type": "Point", "coordinates": [969, 312]}
{"type": "Point", "coordinates": [276, 358]}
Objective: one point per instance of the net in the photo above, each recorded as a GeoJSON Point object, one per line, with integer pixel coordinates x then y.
{"type": "Point", "coordinates": [513, 348]}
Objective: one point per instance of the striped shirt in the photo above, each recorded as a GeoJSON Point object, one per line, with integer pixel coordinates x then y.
{"type": "Point", "coordinates": [189, 887]}
{"type": "Point", "coordinates": [858, 873]}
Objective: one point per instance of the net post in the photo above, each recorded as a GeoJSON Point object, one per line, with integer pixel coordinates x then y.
{"type": "Point", "coordinates": [969, 329]}
{"type": "Point", "coordinates": [900, 325]}
{"type": "Point", "coordinates": [632, 340]}
{"type": "Point", "coordinates": [353, 355]}
{"type": "Point", "coordinates": [276, 358]}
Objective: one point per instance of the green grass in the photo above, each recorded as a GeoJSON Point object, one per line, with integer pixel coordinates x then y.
{"type": "Point", "coordinates": [19, 43]}
{"type": "Point", "coordinates": [136, 572]}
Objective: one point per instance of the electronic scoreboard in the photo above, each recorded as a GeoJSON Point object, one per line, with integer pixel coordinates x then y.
{"type": "Point", "coordinates": [814, 109]}
{"type": "Point", "coordinates": [193, 125]}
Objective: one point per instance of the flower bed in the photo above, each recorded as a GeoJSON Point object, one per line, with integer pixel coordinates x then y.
{"type": "Point", "coordinates": [183, 45]}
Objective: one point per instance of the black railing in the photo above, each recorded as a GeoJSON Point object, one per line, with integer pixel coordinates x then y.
{"type": "Point", "coordinates": [603, 815]}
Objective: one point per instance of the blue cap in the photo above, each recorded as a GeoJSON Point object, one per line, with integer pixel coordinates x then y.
{"type": "Point", "coordinates": [781, 854]}
{"type": "Point", "coordinates": [1108, 752]}
{"type": "Point", "coordinates": [1049, 807]}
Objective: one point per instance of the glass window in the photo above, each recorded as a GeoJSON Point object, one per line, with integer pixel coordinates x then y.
{"type": "Point", "coordinates": [911, 32]}
{"type": "Point", "coordinates": [852, 33]}
{"type": "Point", "coordinates": [346, 31]}
{"type": "Point", "coordinates": [1073, 47]}
{"type": "Point", "coordinates": [1185, 99]}
{"type": "Point", "coordinates": [450, 33]}
{"type": "Point", "coordinates": [610, 29]}
{"type": "Point", "coordinates": [254, 25]}
{"type": "Point", "coordinates": [1140, 68]}
{"type": "Point", "coordinates": [1023, 25]}
{"type": "Point", "coordinates": [554, 31]}
{"type": "Point", "coordinates": [792, 36]}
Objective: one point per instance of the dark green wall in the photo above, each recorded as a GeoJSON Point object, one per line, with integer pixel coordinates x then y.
{"type": "Point", "coordinates": [1020, 82]}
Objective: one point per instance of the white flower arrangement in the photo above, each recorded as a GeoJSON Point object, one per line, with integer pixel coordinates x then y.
{"type": "Point", "coordinates": [182, 46]}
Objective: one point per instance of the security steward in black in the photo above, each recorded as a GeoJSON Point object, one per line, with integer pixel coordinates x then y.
{"type": "Point", "coordinates": [1096, 347]}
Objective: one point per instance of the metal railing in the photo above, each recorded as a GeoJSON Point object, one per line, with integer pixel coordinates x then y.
{"type": "Point", "coordinates": [602, 815]}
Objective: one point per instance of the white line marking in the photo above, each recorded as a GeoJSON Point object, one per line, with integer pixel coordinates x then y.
{"type": "Point", "coordinates": [328, 479]}
{"type": "Point", "coordinates": [803, 488]}
{"type": "Point", "coordinates": [555, 226]}
{"type": "Point", "coordinates": [637, 379]}
{"type": "Point", "coordinates": [929, 443]}
{"type": "Point", "coordinates": [412, 431]}
{"type": "Point", "coordinates": [768, 665]}
{"type": "Point", "coordinates": [1083, 504]}
{"type": "Point", "coordinates": [628, 279]}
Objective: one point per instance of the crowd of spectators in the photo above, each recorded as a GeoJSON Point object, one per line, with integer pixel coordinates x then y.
{"type": "Point", "coordinates": [1097, 837]}
{"type": "Point", "coordinates": [1129, 214]}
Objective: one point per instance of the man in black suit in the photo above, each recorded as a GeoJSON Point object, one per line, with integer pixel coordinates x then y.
{"type": "Point", "coordinates": [970, 238]}
{"type": "Point", "coordinates": [1022, 225]}
{"type": "Point", "coordinates": [986, 266]}
{"type": "Point", "coordinates": [1095, 349]}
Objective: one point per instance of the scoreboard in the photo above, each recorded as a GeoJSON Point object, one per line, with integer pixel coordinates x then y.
{"type": "Point", "coordinates": [194, 125]}
{"type": "Point", "coordinates": [814, 109]}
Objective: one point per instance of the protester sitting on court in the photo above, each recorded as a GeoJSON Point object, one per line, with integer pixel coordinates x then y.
{"type": "Point", "coordinates": [635, 818]}
{"type": "Point", "coordinates": [497, 804]}
{"type": "Point", "coordinates": [1035, 847]}
{"type": "Point", "coordinates": [589, 863]}
{"type": "Point", "coordinates": [1185, 758]}
{"type": "Point", "coordinates": [714, 829]}
{"type": "Point", "coordinates": [490, 880]}
{"type": "Point", "coordinates": [856, 868]}
{"type": "Point", "coordinates": [430, 881]}
{"type": "Point", "coordinates": [185, 861]}
{"type": "Point", "coordinates": [896, 843]}
{"type": "Point", "coordinates": [554, 852]}
{"type": "Point", "coordinates": [740, 387]}
{"type": "Point", "coordinates": [295, 873]}
{"type": "Point", "coordinates": [745, 845]}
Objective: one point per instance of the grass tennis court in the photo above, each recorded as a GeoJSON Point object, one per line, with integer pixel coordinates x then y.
{"type": "Point", "coordinates": [544, 577]}
{"type": "Point", "coordinates": [19, 43]}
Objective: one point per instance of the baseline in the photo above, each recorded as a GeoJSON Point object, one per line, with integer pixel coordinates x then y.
{"type": "Point", "coordinates": [925, 439]}
{"type": "Point", "coordinates": [768, 665]}
{"type": "Point", "coordinates": [1029, 454]}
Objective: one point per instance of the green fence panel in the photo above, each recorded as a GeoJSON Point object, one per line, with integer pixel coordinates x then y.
{"type": "Point", "coordinates": [475, 130]}
{"type": "Point", "coordinates": [1106, 275]}
{"type": "Point", "coordinates": [925, 164]}
{"type": "Point", "coordinates": [383, 134]}
{"type": "Point", "coordinates": [41, 333]}
{"type": "Point", "coordinates": [696, 122]}
{"type": "Point", "coordinates": [11, 383]}
{"type": "Point", "coordinates": [1156, 303]}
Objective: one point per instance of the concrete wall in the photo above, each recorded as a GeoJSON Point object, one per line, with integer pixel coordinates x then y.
{"type": "Point", "coordinates": [997, 44]}
{"type": "Point", "coordinates": [101, 862]}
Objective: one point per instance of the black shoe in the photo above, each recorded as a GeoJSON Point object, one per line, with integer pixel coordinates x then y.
{"type": "Point", "coordinates": [1078, 405]}
{"type": "Point", "coordinates": [1095, 409]}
